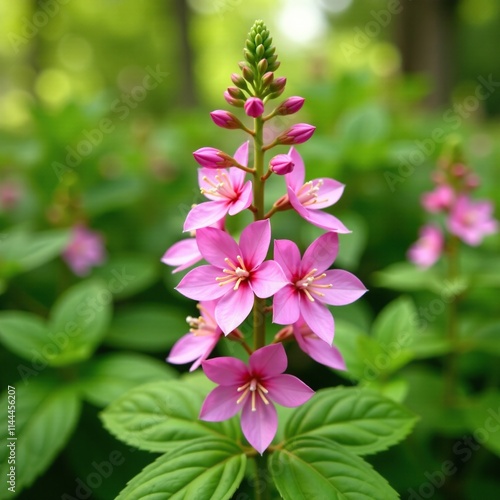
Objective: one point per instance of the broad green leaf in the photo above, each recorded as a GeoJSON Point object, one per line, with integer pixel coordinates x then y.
{"type": "Point", "coordinates": [146, 328]}
{"type": "Point", "coordinates": [205, 469]}
{"type": "Point", "coordinates": [108, 377]}
{"type": "Point", "coordinates": [408, 277]}
{"type": "Point", "coordinates": [46, 415]}
{"type": "Point", "coordinates": [25, 334]}
{"type": "Point", "coordinates": [126, 275]}
{"type": "Point", "coordinates": [78, 322]}
{"type": "Point", "coordinates": [309, 467]}
{"type": "Point", "coordinates": [361, 420]}
{"type": "Point", "coordinates": [163, 416]}
{"type": "Point", "coordinates": [395, 388]}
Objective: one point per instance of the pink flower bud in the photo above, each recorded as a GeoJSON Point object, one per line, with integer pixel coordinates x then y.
{"type": "Point", "coordinates": [231, 100]}
{"type": "Point", "coordinates": [296, 134]}
{"type": "Point", "coordinates": [459, 170]}
{"type": "Point", "coordinates": [254, 107]}
{"type": "Point", "coordinates": [290, 105]}
{"type": "Point", "coordinates": [472, 181]}
{"type": "Point", "coordinates": [278, 84]}
{"type": "Point", "coordinates": [213, 158]}
{"type": "Point", "coordinates": [281, 164]}
{"type": "Point", "coordinates": [225, 119]}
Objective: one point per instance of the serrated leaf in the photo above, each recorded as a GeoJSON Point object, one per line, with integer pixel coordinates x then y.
{"type": "Point", "coordinates": [361, 420]}
{"type": "Point", "coordinates": [46, 416]}
{"type": "Point", "coordinates": [104, 379]}
{"type": "Point", "coordinates": [23, 333]}
{"type": "Point", "coordinates": [313, 467]}
{"type": "Point", "coordinates": [146, 328]}
{"type": "Point", "coordinates": [205, 469]}
{"type": "Point", "coordinates": [78, 322]}
{"type": "Point", "coordinates": [163, 416]}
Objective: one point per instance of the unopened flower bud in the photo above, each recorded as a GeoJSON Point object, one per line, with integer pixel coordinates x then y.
{"type": "Point", "coordinates": [254, 107]}
{"type": "Point", "coordinates": [259, 51]}
{"type": "Point", "coordinates": [236, 93]}
{"type": "Point", "coordinates": [290, 105]}
{"type": "Point", "coordinates": [267, 78]}
{"type": "Point", "coordinates": [239, 81]}
{"type": "Point", "coordinates": [459, 170]}
{"type": "Point", "coordinates": [278, 84]}
{"type": "Point", "coordinates": [472, 181]}
{"type": "Point", "coordinates": [248, 74]}
{"type": "Point", "coordinates": [213, 158]}
{"type": "Point", "coordinates": [231, 100]}
{"type": "Point", "coordinates": [225, 119]}
{"type": "Point", "coordinates": [296, 134]}
{"type": "Point", "coordinates": [281, 164]}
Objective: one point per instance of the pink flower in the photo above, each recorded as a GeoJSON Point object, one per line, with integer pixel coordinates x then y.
{"type": "Point", "coordinates": [311, 287]}
{"type": "Point", "coordinates": [225, 119]}
{"type": "Point", "coordinates": [309, 198]}
{"type": "Point", "coordinates": [439, 199]}
{"type": "Point", "coordinates": [471, 221]}
{"type": "Point", "coordinates": [317, 348]}
{"type": "Point", "coordinates": [296, 134]}
{"type": "Point", "coordinates": [200, 341]}
{"type": "Point", "coordinates": [427, 249]}
{"type": "Point", "coordinates": [227, 189]}
{"type": "Point", "coordinates": [182, 254]}
{"type": "Point", "coordinates": [254, 107]}
{"type": "Point", "coordinates": [84, 251]}
{"type": "Point", "coordinates": [253, 389]}
{"type": "Point", "coordinates": [290, 105]}
{"type": "Point", "coordinates": [235, 274]}
{"type": "Point", "coordinates": [281, 164]}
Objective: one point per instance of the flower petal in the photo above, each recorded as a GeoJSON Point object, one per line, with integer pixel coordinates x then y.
{"type": "Point", "coordinates": [200, 284]}
{"type": "Point", "coordinates": [325, 221]}
{"type": "Point", "coordinates": [259, 427]}
{"type": "Point", "coordinates": [289, 391]}
{"type": "Point", "coordinates": [192, 347]}
{"type": "Point", "coordinates": [268, 361]}
{"type": "Point", "coordinates": [346, 288]}
{"type": "Point", "coordinates": [254, 242]}
{"type": "Point", "coordinates": [182, 254]}
{"type": "Point", "coordinates": [205, 214]}
{"type": "Point", "coordinates": [226, 371]}
{"type": "Point", "coordinates": [295, 179]}
{"type": "Point", "coordinates": [320, 254]}
{"type": "Point", "coordinates": [215, 245]}
{"type": "Point", "coordinates": [234, 307]}
{"type": "Point", "coordinates": [286, 306]}
{"type": "Point", "coordinates": [243, 201]}
{"type": "Point", "coordinates": [318, 318]}
{"type": "Point", "coordinates": [220, 404]}
{"type": "Point", "coordinates": [207, 180]}
{"type": "Point", "coordinates": [320, 351]}
{"type": "Point", "coordinates": [287, 255]}
{"type": "Point", "coordinates": [328, 193]}
{"type": "Point", "coordinates": [241, 155]}
{"type": "Point", "coordinates": [267, 279]}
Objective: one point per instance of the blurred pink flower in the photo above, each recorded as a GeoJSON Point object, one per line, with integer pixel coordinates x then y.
{"type": "Point", "coordinates": [471, 221]}
{"type": "Point", "coordinates": [438, 200]}
{"type": "Point", "coordinates": [428, 248]}
{"type": "Point", "coordinates": [84, 251]}
{"type": "Point", "coordinates": [253, 389]}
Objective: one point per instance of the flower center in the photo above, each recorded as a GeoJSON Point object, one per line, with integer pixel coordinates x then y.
{"type": "Point", "coordinates": [223, 188]}
{"type": "Point", "coordinates": [308, 193]}
{"type": "Point", "coordinates": [254, 387]}
{"type": "Point", "coordinates": [308, 286]}
{"type": "Point", "coordinates": [199, 326]}
{"type": "Point", "coordinates": [236, 273]}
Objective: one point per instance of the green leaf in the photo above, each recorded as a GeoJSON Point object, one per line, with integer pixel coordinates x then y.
{"type": "Point", "coordinates": [485, 339]}
{"type": "Point", "coordinates": [46, 416]}
{"type": "Point", "coordinates": [313, 467]}
{"type": "Point", "coordinates": [205, 469]}
{"type": "Point", "coordinates": [148, 328]}
{"type": "Point", "coordinates": [108, 377]}
{"type": "Point", "coordinates": [163, 416]}
{"type": "Point", "coordinates": [408, 277]}
{"type": "Point", "coordinates": [23, 333]}
{"type": "Point", "coordinates": [79, 321]}
{"type": "Point", "coordinates": [361, 420]}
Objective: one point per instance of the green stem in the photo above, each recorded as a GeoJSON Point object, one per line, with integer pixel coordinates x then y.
{"type": "Point", "coordinates": [259, 324]}
{"type": "Point", "coordinates": [451, 368]}
{"type": "Point", "coordinates": [260, 487]}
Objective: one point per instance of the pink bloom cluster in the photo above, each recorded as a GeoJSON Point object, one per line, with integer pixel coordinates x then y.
{"type": "Point", "coordinates": [84, 251]}
{"type": "Point", "coordinates": [239, 275]}
{"type": "Point", "coordinates": [465, 218]}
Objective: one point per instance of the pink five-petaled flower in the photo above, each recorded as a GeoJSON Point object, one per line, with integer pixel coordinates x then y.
{"type": "Point", "coordinates": [471, 221]}
{"type": "Point", "coordinates": [311, 287]}
{"type": "Point", "coordinates": [235, 274]}
{"type": "Point", "coordinates": [427, 249]}
{"type": "Point", "coordinates": [309, 198]}
{"type": "Point", "coordinates": [227, 189]}
{"type": "Point", "coordinates": [200, 341]}
{"type": "Point", "coordinates": [84, 251]}
{"type": "Point", "coordinates": [438, 200]}
{"type": "Point", "coordinates": [253, 389]}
